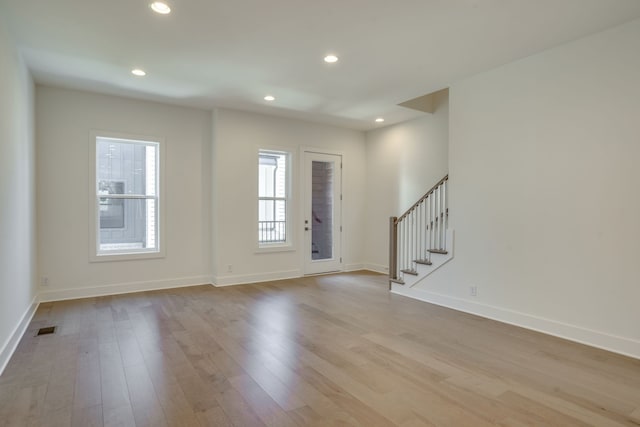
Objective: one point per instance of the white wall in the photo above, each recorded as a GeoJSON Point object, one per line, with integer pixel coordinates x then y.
{"type": "Point", "coordinates": [237, 138]}
{"type": "Point", "coordinates": [17, 198]}
{"type": "Point", "coordinates": [545, 197]}
{"type": "Point", "coordinates": [64, 120]}
{"type": "Point", "coordinates": [403, 162]}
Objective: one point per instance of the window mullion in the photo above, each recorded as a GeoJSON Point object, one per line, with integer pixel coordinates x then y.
{"type": "Point", "coordinates": [124, 196]}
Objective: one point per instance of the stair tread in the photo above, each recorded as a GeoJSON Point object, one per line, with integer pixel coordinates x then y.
{"type": "Point", "coordinates": [438, 251]}
{"type": "Point", "coordinates": [423, 261]}
{"type": "Point", "coordinates": [412, 272]}
{"type": "Point", "coordinates": [398, 281]}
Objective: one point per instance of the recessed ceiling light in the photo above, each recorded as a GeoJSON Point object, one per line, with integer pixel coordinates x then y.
{"type": "Point", "coordinates": [379, 120]}
{"type": "Point", "coordinates": [269, 98]}
{"type": "Point", "coordinates": [330, 59]}
{"type": "Point", "coordinates": [160, 7]}
{"type": "Point", "coordinates": [138, 72]}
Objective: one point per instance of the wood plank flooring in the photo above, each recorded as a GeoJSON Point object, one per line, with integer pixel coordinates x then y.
{"type": "Point", "coordinates": [324, 350]}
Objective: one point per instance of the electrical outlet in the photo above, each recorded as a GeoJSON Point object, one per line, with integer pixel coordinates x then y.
{"type": "Point", "coordinates": [229, 268]}
{"type": "Point", "coordinates": [44, 281]}
{"type": "Point", "coordinates": [473, 290]}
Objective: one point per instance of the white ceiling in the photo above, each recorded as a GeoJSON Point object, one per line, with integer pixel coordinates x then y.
{"type": "Point", "coordinates": [231, 53]}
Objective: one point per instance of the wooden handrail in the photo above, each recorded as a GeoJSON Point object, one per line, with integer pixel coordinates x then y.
{"type": "Point", "coordinates": [446, 177]}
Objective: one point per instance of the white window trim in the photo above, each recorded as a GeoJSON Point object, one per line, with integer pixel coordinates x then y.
{"type": "Point", "coordinates": [289, 245]}
{"type": "Point", "coordinates": [94, 213]}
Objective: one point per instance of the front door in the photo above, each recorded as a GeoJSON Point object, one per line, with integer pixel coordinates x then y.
{"type": "Point", "coordinates": [323, 212]}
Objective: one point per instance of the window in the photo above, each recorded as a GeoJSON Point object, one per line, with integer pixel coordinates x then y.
{"type": "Point", "coordinates": [273, 198]}
{"type": "Point", "coordinates": [126, 198]}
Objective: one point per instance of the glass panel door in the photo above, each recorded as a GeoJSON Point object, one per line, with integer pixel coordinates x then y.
{"type": "Point", "coordinates": [322, 213]}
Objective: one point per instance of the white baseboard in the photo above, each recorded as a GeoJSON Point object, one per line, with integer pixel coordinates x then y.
{"type": "Point", "coordinates": [377, 268]}
{"type": "Point", "coordinates": [353, 267]}
{"type": "Point", "coordinates": [615, 344]}
{"type": "Point", "coordinates": [121, 288]}
{"type": "Point", "coordinates": [11, 344]}
{"type": "Point", "coordinates": [243, 279]}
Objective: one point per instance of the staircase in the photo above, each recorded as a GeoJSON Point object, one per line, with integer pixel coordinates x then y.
{"type": "Point", "coordinates": [419, 240]}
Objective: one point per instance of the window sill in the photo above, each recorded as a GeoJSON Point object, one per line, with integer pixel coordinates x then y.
{"type": "Point", "coordinates": [275, 248]}
{"type": "Point", "coordinates": [127, 256]}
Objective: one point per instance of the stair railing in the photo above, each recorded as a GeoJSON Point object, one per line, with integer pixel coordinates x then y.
{"type": "Point", "coordinates": [419, 232]}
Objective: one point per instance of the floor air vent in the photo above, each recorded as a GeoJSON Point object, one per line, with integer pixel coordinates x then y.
{"type": "Point", "coordinates": [46, 331]}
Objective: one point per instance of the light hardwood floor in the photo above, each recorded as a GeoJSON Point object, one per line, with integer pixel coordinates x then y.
{"type": "Point", "coordinates": [324, 350]}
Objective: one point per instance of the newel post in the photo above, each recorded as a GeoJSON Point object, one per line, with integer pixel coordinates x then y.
{"type": "Point", "coordinates": [393, 248]}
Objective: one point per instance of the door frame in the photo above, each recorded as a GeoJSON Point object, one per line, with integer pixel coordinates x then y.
{"type": "Point", "coordinates": [305, 254]}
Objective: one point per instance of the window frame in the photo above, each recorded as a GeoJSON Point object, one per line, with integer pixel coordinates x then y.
{"type": "Point", "coordinates": [95, 254]}
{"type": "Point", "coordinates": [288, 244]}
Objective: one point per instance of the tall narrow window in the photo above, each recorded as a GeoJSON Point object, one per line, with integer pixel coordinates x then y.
{"type": "Point", "coordinates": [273, 198]}
{"type": "Point", "coordinates": [126, 196]}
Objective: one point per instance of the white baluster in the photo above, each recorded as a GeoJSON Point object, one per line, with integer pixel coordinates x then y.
{"type": "Point", "coordinates": [401, 245]}
{"type": "Point", "coordinates": [445, 217]}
